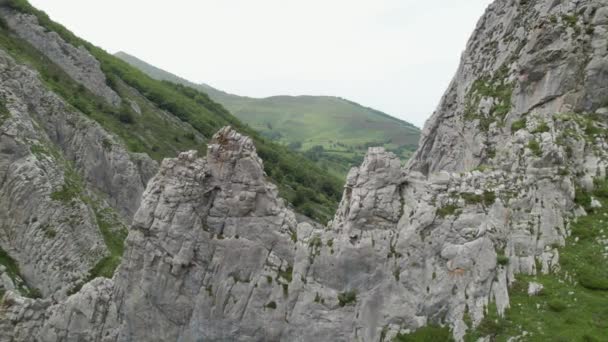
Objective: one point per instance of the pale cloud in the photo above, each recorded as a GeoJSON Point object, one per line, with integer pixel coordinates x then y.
{"type": "Point", "coordinates": [394, 55]}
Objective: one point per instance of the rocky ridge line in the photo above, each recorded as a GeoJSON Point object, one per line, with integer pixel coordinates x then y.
{"type": "Point", "coordinates": [214, 254]}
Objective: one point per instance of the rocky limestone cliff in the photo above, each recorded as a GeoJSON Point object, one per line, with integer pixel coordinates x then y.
{"type": "Point", "coordinates": [543, 57]}
{"type": "Point", "coordinates": [59, 173]}
{"type": "Point", "coordinates": [213, 254]}
{"type": "Point", "coordinates": [77, 62]}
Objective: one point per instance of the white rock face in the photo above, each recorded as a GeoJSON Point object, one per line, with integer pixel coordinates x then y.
{"type": "Point", "coordinates": [50, 157]}
{"type": "Point", "coordinates": [214, 255]}
{"type": "Point", "coordinates": [531, 56]}
{"type": "Point", "coordinates": [77, 62]}
{"type": "Point", "coordinates": [534, 289]}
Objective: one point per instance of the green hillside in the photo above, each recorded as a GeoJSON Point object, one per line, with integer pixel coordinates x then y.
{"type": "Point", "coordinates": [333, 132]}
{"type": "Point", "coordinates": [172, 117]}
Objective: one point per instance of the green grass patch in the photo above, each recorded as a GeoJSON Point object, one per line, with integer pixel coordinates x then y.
{"type": "Point", "coordinates": [502, 260]}
{"type": "Point", "coordinates": [518, 125]}
{"type": "Point", "coordinates": [574, 302]}
{"type": "Point", "coordinates": [333, 132]}
{"type": "Point", "coordinates": [11, 265]}
{"type": "Point", "coordinates": [487, 198]}
{"type": "Point", "coordinates": [541, 128]}
{"type": "Point", "coordinates": [447, 210]}
{"type": "Point", "coordinates": [496, 87]}
{"type": "Point", "coordinates": [287, 274]}
{"type": "Point", "coordinates": [347, 298]}
{"type": "Point", "coordinates": [72, 187]}
{"type": "Point", "coordinates": [114, 235]}
{"type": "Point", "coordinates": [12, 269]}
{"type": "Point", "coordinates": [534, 146]}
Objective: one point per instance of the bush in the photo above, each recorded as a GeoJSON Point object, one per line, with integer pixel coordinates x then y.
{"type": "Point", "coordinates": [541, 128]}
{"type": "Point", "coordinates": [296, 145]}
{"type": "Point", "coordinates": [490, 326]}
{"type": "Point", "coordinates": [534, 146]}
{"type": "Point", "coordinates": [431, 333]}
{"type": "Point", "coordinates": [593, 279]}
{"type": "Point", "coordinates": [66, 194]}
{"type": "Point", "coordinates": [272, 305]}
{"type": "Point", "coordinates": [557, 305]}
{"type": "Point", "coordinates": [582, 198]}
{"type": "Point", "coordinates": [346, 298]}
{"type": "Point", "coordinates": [34, 293]}
{"type": "Point", "coordinates": [486, 199]}
{"type": "Point", "coordinates": [502, 260]}
{"type": "Point", "coordinates": [125, 116]}
{"type": "Point", "coordinates": [447, 210]}
{"type": "Point", "coordinates": [517, 125]}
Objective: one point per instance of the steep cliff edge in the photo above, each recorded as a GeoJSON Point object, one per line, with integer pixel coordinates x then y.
{"type": "Point", "coordinates": [214, 254]}
{"type": "Point", "coordinates": [507, 165]}
{"type": "Point", "coordinates": [59, 171]}
{"type": "Point", "coordinates": [525, 57]}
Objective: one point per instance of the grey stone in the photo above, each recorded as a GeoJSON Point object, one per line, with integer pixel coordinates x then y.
{"type": "Point", "coordinates": [534, 289]}
{"type": "Point", "coordinates": [214, 254]}
{"type": "Point", "coordinates": [77, 62]}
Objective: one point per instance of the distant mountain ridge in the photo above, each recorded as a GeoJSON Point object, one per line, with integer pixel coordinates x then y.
{"type": "Point", "coordinates": [332, 131]}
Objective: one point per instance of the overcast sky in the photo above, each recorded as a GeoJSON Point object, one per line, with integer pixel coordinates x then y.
{"type": "Point", "coordinates": [397, 56]}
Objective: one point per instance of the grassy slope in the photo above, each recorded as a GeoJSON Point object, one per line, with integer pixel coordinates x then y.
{"type": "Point", "coordinates": [170, 116]}
{"type": "Point", "coordinates": [574, 303]}
{"type": "Point", "coordinates": [344, 129]}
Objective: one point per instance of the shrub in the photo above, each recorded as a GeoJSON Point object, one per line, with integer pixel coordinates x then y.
{"type": "Point", "coordinates": [518, 125]}
{"type": "Point", "coordinates": [471, 198]}
{"type": "Point", "coordinates": [487, 198]}
{"type": "Point", "coordinates": [534, 146]}
{"type": "Point", "coordinates": [502, 260]}
{"type": "Point", "coordinates": [272, 305]}
{"type": "Point", "coordinates": [66, 194]}
{"type": "Point", "coordinates": [346, 298]}
{"type": "Point", "coordinates": [541, 128]}
{"type": "Point", "coordinates": [557, 305]}
{"type": "Point", "coordinates": [582, 198]}
{"type": "Point", "coordinates": [34, 293]}
{"type": "Point", "coordinates": [315, 242]}
{"type": "Point", "coordinates": [287, 274]}
{"type": "Point", "coordinates": [601, 189]}
{"type": "Point", "coordinates": [105, 267]}
{"type": "Point", "coordinates": [491, 326]}
{"type": "Point", "coordinates": [126, 117]}
{"type": "Point", "coordinates": [447, 210]}
{"type": "Point", "coordinates": [593, 279]}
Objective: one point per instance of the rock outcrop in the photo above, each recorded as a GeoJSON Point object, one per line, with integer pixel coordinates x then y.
{"type": "Point", "coordinates": [59, 171]}
{"type": "Point", "coordinates": [77, 62]}
{"type": "Point", "coordinates": [213, 254]}
{"type": "Point", "coordinates": [543, 57]}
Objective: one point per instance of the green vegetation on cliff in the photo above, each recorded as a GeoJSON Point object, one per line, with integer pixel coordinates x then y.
{"type": "Point", "coordinates": [573, 305]}
{"type": "Point", "coordinates": [173, 117]}
{"type": "Point", "coordinates": [333, 132]}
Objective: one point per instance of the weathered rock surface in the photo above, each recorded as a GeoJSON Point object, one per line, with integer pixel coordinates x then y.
{"type": "Point", "coordinates": [213, 254]}
{"type": "Point", "coordinates": [538, 56]}
{"type": "Point", "coordinates": [77, 62]}
{"type": "Point", "coordinates": [36, 229]}
{"type": "Point", "coordinates": [59, 169]}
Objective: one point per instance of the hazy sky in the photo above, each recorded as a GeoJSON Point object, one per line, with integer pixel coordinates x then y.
{"type": "Point", "coordinates": [397, 56]}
